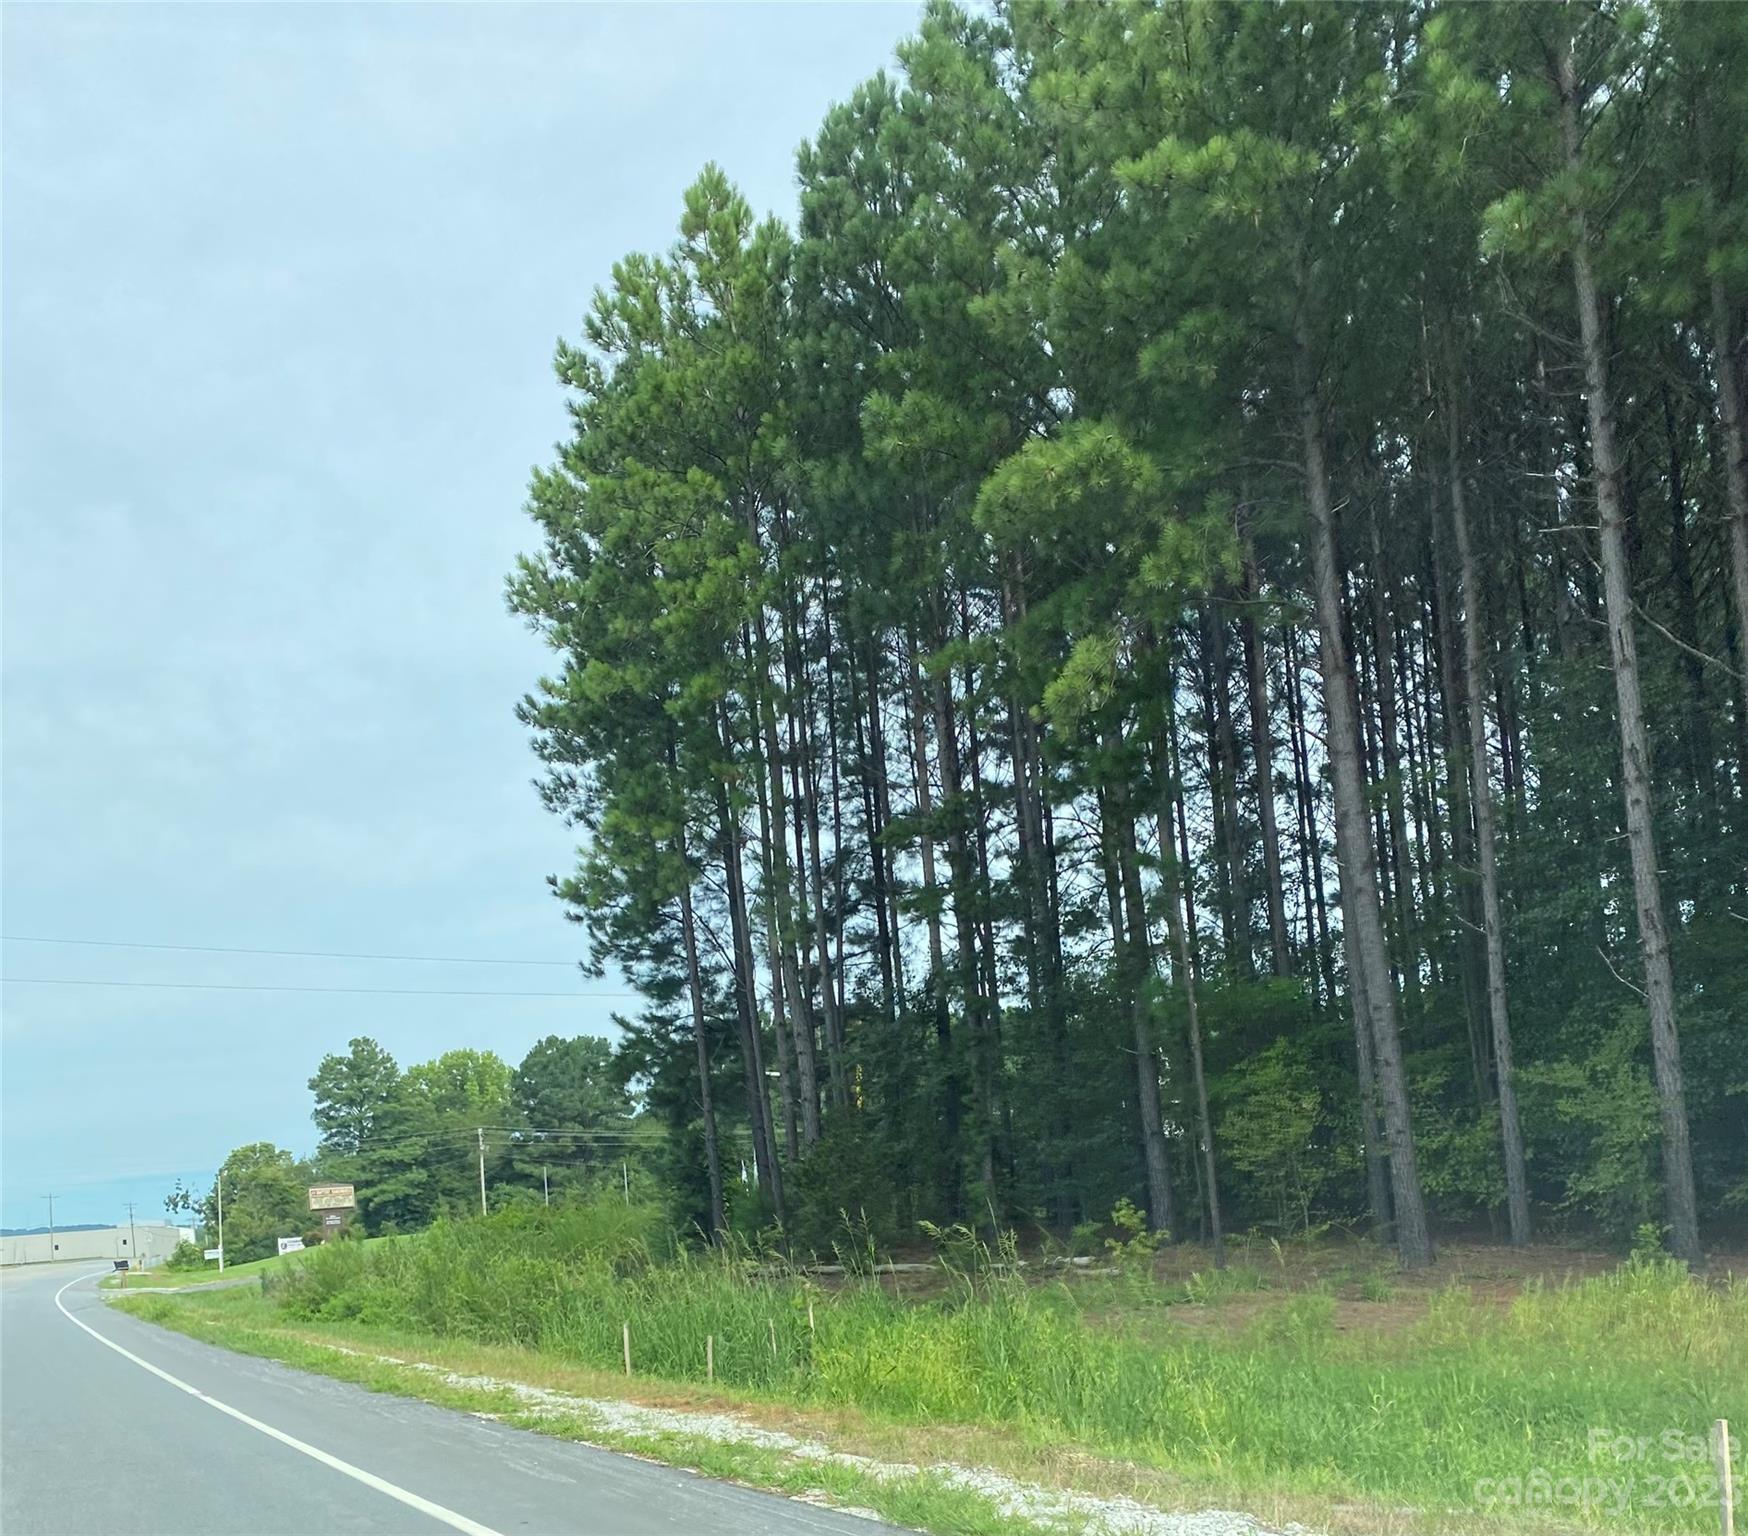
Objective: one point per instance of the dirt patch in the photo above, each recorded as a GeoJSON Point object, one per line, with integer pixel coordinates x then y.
{"type": "Point", "coordinates": [1370, 1288]}
{"type": "Point", "coordinates": [1370, 1294]}
{"type": "Point", "coordinates": [1344, 1266]}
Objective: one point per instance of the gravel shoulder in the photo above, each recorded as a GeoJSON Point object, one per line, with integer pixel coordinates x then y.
{"type": "Point", "coordinates": [1049, 1509]}
{"type": "Point", "coordinates": [937, 1494]}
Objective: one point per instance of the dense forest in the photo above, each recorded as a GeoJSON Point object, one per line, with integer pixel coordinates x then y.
{"type": "Point", "coordinates": [1183, 635]}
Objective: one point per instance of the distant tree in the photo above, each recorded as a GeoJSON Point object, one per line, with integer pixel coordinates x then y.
{"type": "Point", "coordinates": [466, 1083]}
{"type": "Point", "coordinates": [265, 1198]}
{"type": "Point", "coordinates": [354, 1093]}
{"type": "Point", "coordinates": [393, 1174]}
{"type": "Point", "coordinates": [445, 1109]}
{"type": "Point", "coordinates": [569, 1085]}
{"type": "Point", "coordinates": [572, 1107]}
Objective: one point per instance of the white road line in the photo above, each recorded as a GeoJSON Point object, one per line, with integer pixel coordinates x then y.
{"type": "Point", "coordinates": [370, 1480]}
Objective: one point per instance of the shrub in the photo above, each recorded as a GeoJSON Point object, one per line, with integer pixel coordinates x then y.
{"type": "Point", "coordinates": [185, 1255]}
{"type": "Point", "coordinates": [843, 1179]}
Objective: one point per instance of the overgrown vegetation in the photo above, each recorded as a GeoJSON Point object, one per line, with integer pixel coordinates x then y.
{"type": "Point", "coordinates": [1423, 1414]}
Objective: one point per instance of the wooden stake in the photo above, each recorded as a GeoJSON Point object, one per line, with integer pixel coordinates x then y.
{"type": "Point", "coordinates": [710, 1357]}
{"type": "Point", "coordinates": [1726, 1493]}
{"type": "Point", "coordinates": [625, 1329]}
{"type": "Point", "coordinates": [773, 1322]}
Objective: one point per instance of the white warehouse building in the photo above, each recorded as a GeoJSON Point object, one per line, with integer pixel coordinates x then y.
{"type": "Point", "coordinates": [155, 1242]}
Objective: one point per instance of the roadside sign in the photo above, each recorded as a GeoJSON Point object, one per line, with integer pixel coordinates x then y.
{"type": "Point", "coordinates": [121, 1266]}
{"type": "Point", "coordinates": [215, 1253]}
{"type": "Point", "coordinates": [332, 1221]}
{"type": "Point", "coordinates": [290, 1245]}
{"type": "Point", "coordinates": [331, 1197]}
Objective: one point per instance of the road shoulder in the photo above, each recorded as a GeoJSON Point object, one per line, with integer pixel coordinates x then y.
{"type": "Point", "coordinates": [720, 1438]}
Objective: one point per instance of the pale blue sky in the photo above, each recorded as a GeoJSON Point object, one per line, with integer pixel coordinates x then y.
{"type": "Point", "coordinates": [280, 289]}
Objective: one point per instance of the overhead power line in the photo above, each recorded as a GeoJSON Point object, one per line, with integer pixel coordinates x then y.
{"type": "Point", "coordinates": [239, 986]}
{"type": "Point", "coordinates": [302, 954]}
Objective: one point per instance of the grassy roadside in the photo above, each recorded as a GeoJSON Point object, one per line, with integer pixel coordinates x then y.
{"type": "Point", "coordinates": [183, 1279]}
{"type": "Point", "coordinates": [1281, 1413]}
{"type": "Point", "coordinates": [242, 1321]}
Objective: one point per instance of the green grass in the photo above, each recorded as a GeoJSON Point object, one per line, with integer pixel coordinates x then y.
{"type": "Point", "coordinates": [240, 1320]}
{"type": "Point", "coordinates": [1450, 1412]}
{"type": "Point", "coordinates": [182, 1279]}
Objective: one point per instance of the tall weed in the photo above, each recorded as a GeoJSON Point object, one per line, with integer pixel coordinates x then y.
{"type": "Point", "coordinates": [1472, 1392]}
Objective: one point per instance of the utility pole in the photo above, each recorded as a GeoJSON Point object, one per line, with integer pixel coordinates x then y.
{"type": "Point", "coordinates": [482, 1170]}
{"type": "Point", "coordinates": [51, 1201]}
{"type": "Point", "coordinates": [219, 1185]}
{"type": "Point", "coordinates": [133, 1243]}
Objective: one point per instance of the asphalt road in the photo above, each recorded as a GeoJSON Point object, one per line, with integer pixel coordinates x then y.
{"type": "Point", "coordinates": [137, 1431]}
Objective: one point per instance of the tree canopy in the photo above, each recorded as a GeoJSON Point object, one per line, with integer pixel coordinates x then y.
{"type": "Point", "coordinates": [1180, 637]}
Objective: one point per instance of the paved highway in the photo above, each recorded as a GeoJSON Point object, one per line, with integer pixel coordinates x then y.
{"type": "Point", "coordinates": [111, 1427]}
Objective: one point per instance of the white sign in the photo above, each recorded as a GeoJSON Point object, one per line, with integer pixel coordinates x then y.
{"type": "Point", "coordinates": [215, 1253]}
{"type": "Point", "coordinates": [331, 1197]}
{"type": "Point", "coordinates": [290, 1245]}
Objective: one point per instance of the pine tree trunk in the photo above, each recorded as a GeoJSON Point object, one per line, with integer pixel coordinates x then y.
{"type": "Point", "coordinates": [804, 784]}
{"type": "Point", "coordinates": [1183, 966]}
{"type": "Point", "coordinates": [989, 1067]}
{"type": "Point", "coordinates": [1378, 1205]}
{"type": "Point", "coordinates": [1027, 832]}
{"type": "Point", "coordinates": [873, 827]}
{"type": "Point", "coordinates": [1311, 836]}
{"type": "Point", "coordinates": [1437, 874]}
{"type": "Point", "coordinates": [786, 985]}
{"type": "Point", "coordinates": [1174, 793]}
{"type": "Point", "coordinates": [706, 1109]}
{"type": "Point", "coordinates": [888, 886]}
{"type": "Point", "coordinates": [832, 743]}
{"type": "Point", "coordinates": [1365, 943]}
{"type": "Point", "coordinates": [1680, 1207]}
{"type": "Point", "coordinates": [1492, 920]}
{"type": "Point", "coordinates": [953, 804]}
{"type": "Point", "coordinates": [1225, 842]}
{"type": "Point", "coordinates": [773, 819]}
{"type": "Point", "coordinates": [785, 1072]}
{"type": "Point", "coordinates": [770, 1174]}
{"type": "Point", "coordinates": [1262, 751]}
{"type": "Point", "coordinates": [1389, 746]}
{"type": "Point", "coordinates": [1685, 623]}
{"type": "Point", "coordinates": [786, 1091]}
{"type": "Point", "coordinates": [1733, 408]}
{"type": "Point", "coordinates": [1408, 719]}
{"type": "Point", "coordinates": [1136, 967]}
{"type": "Point", "coordinates": [952, 1098]}
{"type": "Point", "coordinates": [1043, 991]}
{"type": "Point", "coordinates": [828, 985]}
{"type": "Point", "coordinates": [1466, 907]}
{"type": "Point", "coordinates": [1226, 742]}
